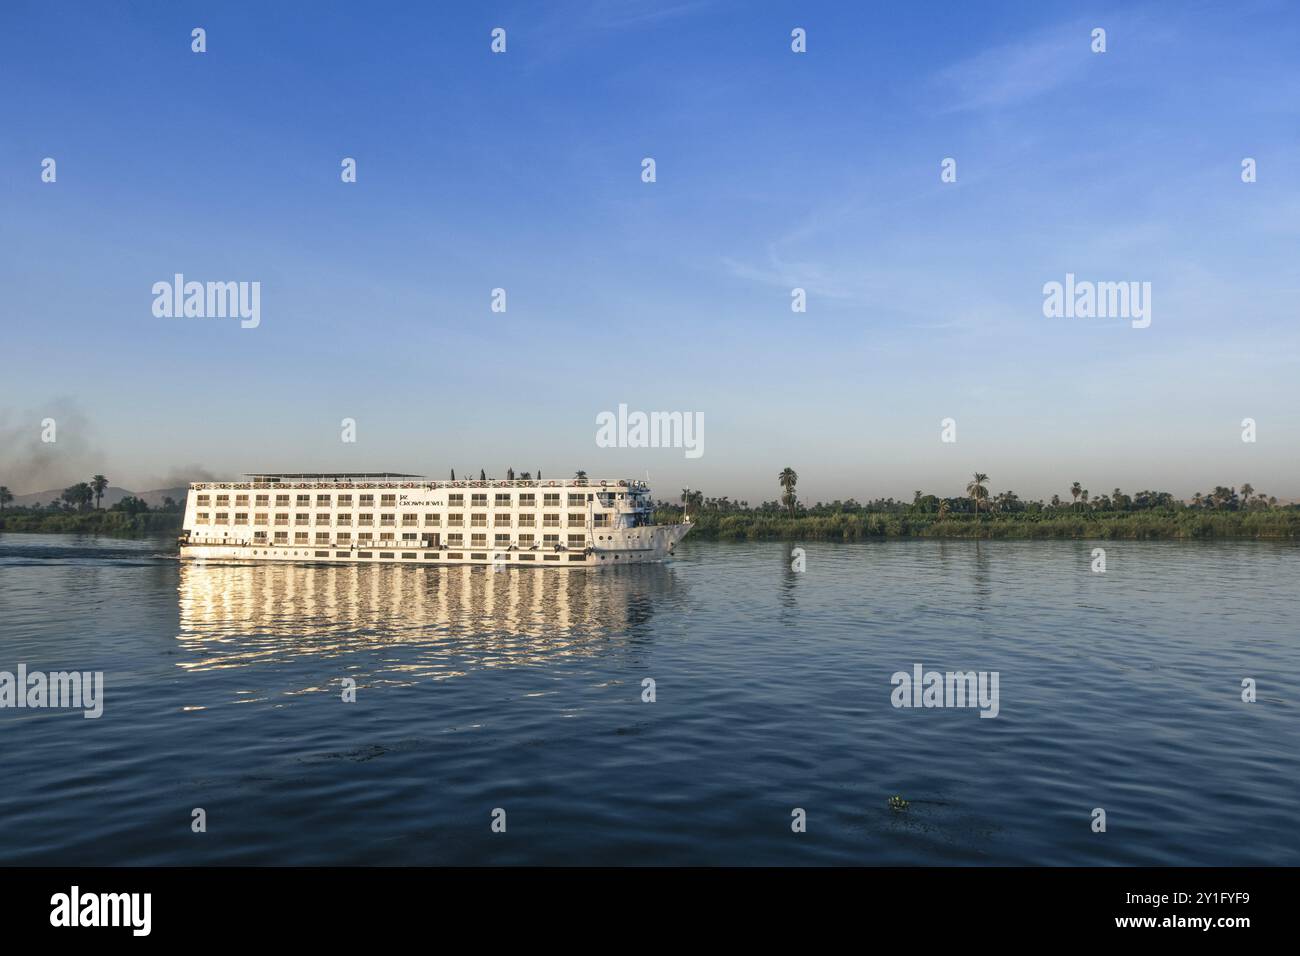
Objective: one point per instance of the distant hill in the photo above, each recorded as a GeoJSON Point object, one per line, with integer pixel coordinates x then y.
{"type": "Point", "coordinates": [111, 496]}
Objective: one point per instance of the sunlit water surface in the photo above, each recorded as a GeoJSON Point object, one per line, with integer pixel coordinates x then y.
{"type": "Point", "coordinates": [522, 690]}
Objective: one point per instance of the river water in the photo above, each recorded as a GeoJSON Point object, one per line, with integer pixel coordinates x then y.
{"type": "Point", "coordinates": [524, 692]}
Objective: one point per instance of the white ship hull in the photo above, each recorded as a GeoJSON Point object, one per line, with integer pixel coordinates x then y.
{"type": "Point", "coordinates": [356, 519]}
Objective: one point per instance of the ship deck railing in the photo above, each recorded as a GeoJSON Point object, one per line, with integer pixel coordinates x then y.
{"type": "Point", "coordinates": [609, 485]}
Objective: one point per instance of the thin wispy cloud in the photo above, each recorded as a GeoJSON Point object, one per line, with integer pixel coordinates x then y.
{"type": "Point", "coordinates": [1013, 73]}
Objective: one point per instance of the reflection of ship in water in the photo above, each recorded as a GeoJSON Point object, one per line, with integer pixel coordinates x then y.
{"type": "Point", "coordinates": [405, 628]}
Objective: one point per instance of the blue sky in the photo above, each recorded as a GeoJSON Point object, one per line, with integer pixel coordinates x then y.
{"type": "Point", "coordinates": [774, 170]}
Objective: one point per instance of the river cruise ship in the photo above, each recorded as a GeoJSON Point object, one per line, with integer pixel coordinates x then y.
{"type": "Point", "coordinates": [407, 519]}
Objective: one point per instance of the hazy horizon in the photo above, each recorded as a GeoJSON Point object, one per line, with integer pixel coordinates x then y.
{"type": "Point", "coordinates": [775, 170]}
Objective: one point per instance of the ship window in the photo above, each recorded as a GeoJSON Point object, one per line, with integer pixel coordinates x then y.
{"type": "Point", "coordinates": [322, 554]}
{"type": "Point", "coordinates": [367, 501]}
{"type": "Point", "coordinates": [431, 555]}
{"type": "Point", "coordinates": [304, 501]}
{"type": "Point", "coordinates": [410, 520]}
{"type": "Point", "coordinates": [501, 520]}
{"type": "Point", "coordinates": [527, 557]}
{"type": "Point", "coordinates": [456, 501]}
{"type": "Point", "coordinates": [341, 554]}
{"type": "Point", "coordinates": [577, 557]}
{"type": "Point", "coordinates": [478, 521]}
{"type": "Point", "coordinates": [241, 500]}
{"type": "Point", "coordinates": [281, 501]}
{"type": "Point", "coordinates": [454, 555]}
{"type": "Point", "coordinates": [576, 519]}
{"type": "Point", "coordinates": [345, 501]}
{"type": "Point", "coordinates": [477, 557]}
{"type": "Point", "coordinates": [551, 500]}
{"type": "Point", "coordinates": [386, 554]}
{"type": "Point", "coordinates": [387, 501]}
{"type": "Point", "coordinates": [431, 521]}
{"type": "Point", "coordinates": [503, 501]}
{"type": "Point", "coordinates": [527, 501]}
{"type": "Point", "coordinates": [526, 521]}
{"type": "Point", "coordinates": [322, 501]}
{"type": "Point", "coordinates": [345, 535]}
{"type": "Point", "coordinates": [411, 555]}
{"type": "Point", "coordinates": [575, 500]}
{"type": "Point", "coordinates": [300, 537]}
{"type": "Point", "coordinates": [365, 554]}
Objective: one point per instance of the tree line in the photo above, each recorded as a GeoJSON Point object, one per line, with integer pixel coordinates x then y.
{"type": "Point", "coordinates": [978, 500]}
{"type": "Point", "coordinates": [87, 496]}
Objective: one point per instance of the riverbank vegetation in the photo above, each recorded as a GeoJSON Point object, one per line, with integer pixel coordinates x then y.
{"type": "Point", "coordinates": [1226, 512]}
{"type": "Point", "coordinates": [77, 511]}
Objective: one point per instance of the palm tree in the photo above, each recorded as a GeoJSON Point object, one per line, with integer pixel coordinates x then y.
{"type": "Point", "coordinates": [1074, 491]}
{"type": "Point", "coordinates": [78, 496]}
{"type": "Point", "coordinates": [6, 496]}
{"type": "Point", "coordinates": [1084, 495]}
{"type": "Point", "coordinates": [1198, 499]}
{"type": "Point", "coordinates": [453, 474]}
{"type": "Point", "coordinates": [1247, 490]}
{"type": "Point", "coordinates": [943, 509]}
{"type": "Point", "coordinates": [976, 489]}
{"type": "Point", "coordinates": [580, 475]}
{"type": "Point", "coordinates": [98, 484]}
{"type": "Point", "coordinates": [787, 480]}
{"type": "Point", "coordinates": [482, 475]}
